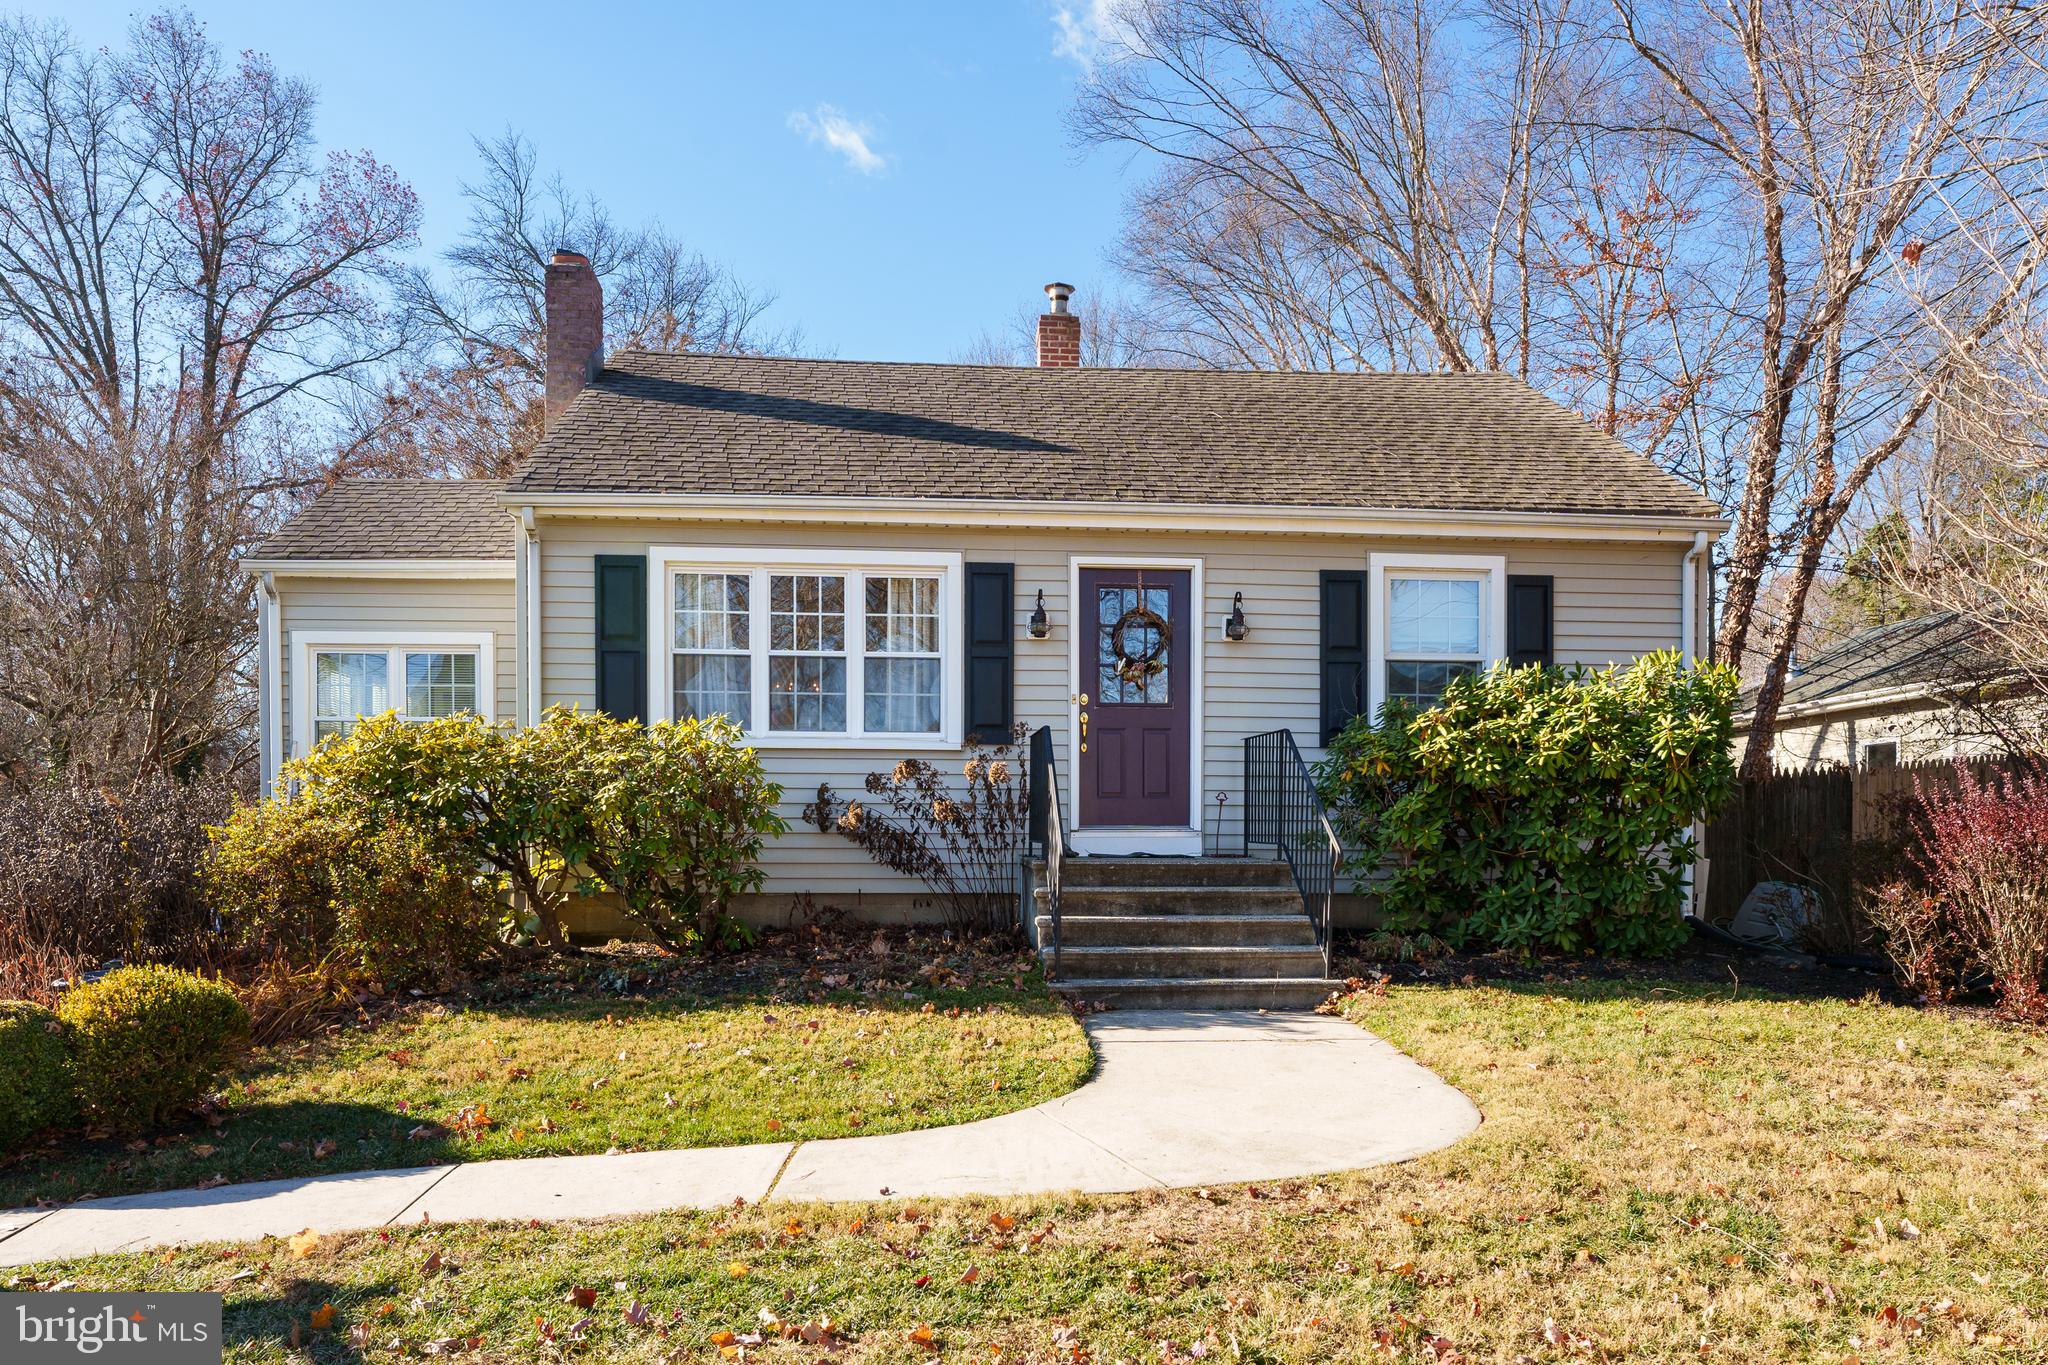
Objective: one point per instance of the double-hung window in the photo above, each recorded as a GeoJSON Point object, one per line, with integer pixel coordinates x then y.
{"type": "Point", "coordinates": [346, 676]}
{"type": "Point", "coordinates": [802, 645]}
{"type": "Point", "coordinates": [1433, 618]}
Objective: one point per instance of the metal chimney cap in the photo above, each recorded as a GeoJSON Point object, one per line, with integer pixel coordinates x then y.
{"type": "Point", "coordinates": [1059, 294]}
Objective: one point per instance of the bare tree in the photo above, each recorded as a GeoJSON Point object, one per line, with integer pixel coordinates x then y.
{"type": "Point", "coordinates": [1892, 158]}
{"type": "Point", "coordinates": [187, 291]}
{"type": "Point", "coordinates": [472, 405]}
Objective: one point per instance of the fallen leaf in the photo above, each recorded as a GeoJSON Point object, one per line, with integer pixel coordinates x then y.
{"type": "Point", "coordinates": [323, 1317]}
{"type": "Point", "coordinates": [582, 1296]}
{"type": "Point", "coordinates": [324, 1148]}
{"type": "Point", "coordinates": [737, 1269]}
{"type": "Point", "coordinates": [922, 1334]}
{"type": "Point", "coordinates": [303, 1244]}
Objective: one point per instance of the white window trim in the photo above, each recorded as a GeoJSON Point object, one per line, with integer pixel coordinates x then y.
{"type": "Point", "coordinates": [665, 561]}
{"type": "Point", "coordinates": [1490, 570]}
{"type": "Point", "coordinates": [305, 644]}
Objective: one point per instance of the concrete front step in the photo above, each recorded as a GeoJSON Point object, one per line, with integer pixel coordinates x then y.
{"type": "Point", "coordinates": [1145, 993]}
{"type": "Point", "coordinates": [1080, 871]}
{"type": "Point", "coordinates": [1194, 899]}
{"type": "Point", "coordinates": [1234, 961]}
{"type": "Point", "coordinates": [1171, 931]}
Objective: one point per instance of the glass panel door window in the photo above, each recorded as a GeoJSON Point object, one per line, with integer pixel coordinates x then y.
{"type": "Point", "coordinates": [1436, 631]}
{"type": "Point", "coordinates": [828, 651]}
{"type": "Point", "coordinates": [439, 684]}
{"type": "Point", "coordinates": [714, 667]}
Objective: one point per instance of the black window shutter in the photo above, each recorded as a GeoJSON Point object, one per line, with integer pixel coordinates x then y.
{"type": "Point", "coordinates": [1343, 648]}
{"type": "Point", "coordinates": [1529, 615]}
{"type": "Point", "coordinates": [990, 651]}
{"type": "Point", "coordinates": [622, 636]}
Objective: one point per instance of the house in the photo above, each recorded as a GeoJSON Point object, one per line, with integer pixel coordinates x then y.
{"type": "Point", "coordinates": [1888, 694]}
{"type": "Point", "coordinates": [861, 561]}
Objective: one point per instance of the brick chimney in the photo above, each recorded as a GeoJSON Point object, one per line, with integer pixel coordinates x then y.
{"type": "Point", "coordinates": [575, 323]}
{"type": "Point", "coordinates": [1059, 331]}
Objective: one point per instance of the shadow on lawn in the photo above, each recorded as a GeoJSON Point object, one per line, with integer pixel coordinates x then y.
{"type": "Point", "coordinates": [269, 1322]}
{"type": "Point", "coordinates": [366, 1138]}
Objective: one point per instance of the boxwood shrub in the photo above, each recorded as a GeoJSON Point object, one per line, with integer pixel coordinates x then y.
{"type": "Point", "coordinates": [148, 1041]}
{"type": "Point", "coordinates": [35, 1073]}
{"type": "Point", "coordinates": [1538, 807]}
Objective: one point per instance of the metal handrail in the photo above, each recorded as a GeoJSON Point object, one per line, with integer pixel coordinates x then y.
{"type": "Point", "coordinates": [1283, 808]}
{"type": "Point", "coordinates": [1048, 830]}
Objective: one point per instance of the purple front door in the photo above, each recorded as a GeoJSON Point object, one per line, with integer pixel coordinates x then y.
{"type": "Point", "coordinates": [1133, 630]}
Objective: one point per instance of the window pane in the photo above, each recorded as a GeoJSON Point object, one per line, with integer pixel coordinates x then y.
{"type": "Point", "coordinates": [807, 612]}
{"type": "Point", "coordinates": [902, 696]}
{"type": "Point", "coordinates": [438, 684]}
{"type": "Point", "coordinates": [1132, 686]}
{"type": "Point", "coordinates": [711, 611]}
{"type": "Point", "coordinates": [1421, 685]}
{"type": "Point", "coordinates": [346, 686]}
{"type": "Point", "coordinates": [902, 615]}
{"type": "Point", "coordinates": [1433, 616]}
{"type": "Point", "coordinates": [806, 693]}
{"type": "Point", "coordinates": [715, 685]}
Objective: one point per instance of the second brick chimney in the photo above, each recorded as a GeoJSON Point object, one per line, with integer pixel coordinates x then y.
{"type": "Point", "coordinates": [1059, 331]}
{"type": "Point", "coordinates": [575, 323]}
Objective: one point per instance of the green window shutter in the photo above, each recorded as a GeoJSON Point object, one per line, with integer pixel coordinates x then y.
{"type": "Point", "coordinates": [622, 636]}
{"type": "Point", "coordinates": [1343, 656]}
{"type": "Point", "coordinates": [991, 650]}
{"type": "Point", "coordinates": [1529, 619]}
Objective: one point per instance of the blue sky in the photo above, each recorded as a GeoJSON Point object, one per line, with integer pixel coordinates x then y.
{"type": "Point", "coordinates": [899, 174]}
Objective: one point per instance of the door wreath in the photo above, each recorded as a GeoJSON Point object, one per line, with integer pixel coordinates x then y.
{"type": "Point", "coordinates": [1136, 667]}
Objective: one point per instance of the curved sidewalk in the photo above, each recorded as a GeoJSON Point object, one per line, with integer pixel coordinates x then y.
{"type": "Point", "coordinates": [1179, 1097]}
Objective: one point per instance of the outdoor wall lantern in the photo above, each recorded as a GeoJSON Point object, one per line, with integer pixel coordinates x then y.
{"type": "Point", "coordinates": [1235, 628]}
{"type": "Point", "coordinates": [1040, 625]}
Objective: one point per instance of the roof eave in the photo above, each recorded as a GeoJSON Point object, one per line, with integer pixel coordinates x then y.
{"type": "Point", "coordinates": [1121, 515]}
{"type": "Point", "coordinates": [397, 566]}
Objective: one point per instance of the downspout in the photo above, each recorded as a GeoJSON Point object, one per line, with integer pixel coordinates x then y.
{"type": "Point", "coordinates": [530, 609]}
{"type": "Point", "coordinates": [270, 739]}
{"type": "Point", "coordinates": [1688, 635]}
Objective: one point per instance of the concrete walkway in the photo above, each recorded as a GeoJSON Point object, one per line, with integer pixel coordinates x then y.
{"type": "Point", "coordinates": [1179, 1098]}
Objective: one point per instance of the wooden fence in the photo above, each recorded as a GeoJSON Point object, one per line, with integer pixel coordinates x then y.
{"type": "Point", "coordinates": [1832, 830]}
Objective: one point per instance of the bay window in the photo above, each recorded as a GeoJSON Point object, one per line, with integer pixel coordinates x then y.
{"type": "Point", "coordinates": [813, 646]}
{"type": "Point", "coordinates": [1432, 618]}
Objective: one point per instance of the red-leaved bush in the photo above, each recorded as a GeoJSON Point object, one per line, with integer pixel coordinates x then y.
{"type": "Point", "coordinates": [1984, 860]}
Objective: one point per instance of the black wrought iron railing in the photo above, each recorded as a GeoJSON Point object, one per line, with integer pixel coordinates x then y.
{"type": "Point", "coordinates": [1049, 833]}
{"type": "Point", "coordinates": [1283, 808]}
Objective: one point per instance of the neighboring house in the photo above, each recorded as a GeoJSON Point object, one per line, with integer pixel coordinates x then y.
{"type": "Point", "coordinates": [1886, 695]}
{"type": "Point", "coordinates": [862, 561]}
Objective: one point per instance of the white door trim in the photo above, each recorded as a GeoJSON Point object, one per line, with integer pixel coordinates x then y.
{"type": "Point", "coordinates": [1163, 839]}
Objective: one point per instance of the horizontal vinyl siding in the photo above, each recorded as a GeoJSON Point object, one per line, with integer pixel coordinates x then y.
{"type": "Point", "coordinates": [398, 605]}
{"type": "Point", "coordinates": [1613, 603]}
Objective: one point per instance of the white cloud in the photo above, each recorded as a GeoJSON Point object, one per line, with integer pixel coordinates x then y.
{"type": "Point", "coordinates": [1086, 35]}
{"type": "Point", "coordinates": [844, 136]}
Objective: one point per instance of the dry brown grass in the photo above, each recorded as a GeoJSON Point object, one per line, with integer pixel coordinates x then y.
{"type": "Point", "coordinates": [1666, 1172]}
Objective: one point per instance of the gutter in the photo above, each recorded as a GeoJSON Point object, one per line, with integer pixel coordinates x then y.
{"type": "Point", "coordinates": [1688, 640]}
{"type": "Point", "coordinates": [381, 568]}
{"type": "Point", "coordinates": [269, 685]}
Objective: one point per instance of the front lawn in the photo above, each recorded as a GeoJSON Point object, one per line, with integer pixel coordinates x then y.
{"type": "Point", "coordinates": [624, 1050]}
{"type": "Point", "coordinates": [1667, 1171]}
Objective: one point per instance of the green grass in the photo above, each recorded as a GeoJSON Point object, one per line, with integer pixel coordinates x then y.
{"type": "Point", "coordinates": [1665, 1173]}
{"type": "Point", "coordinates": [590, 1075]}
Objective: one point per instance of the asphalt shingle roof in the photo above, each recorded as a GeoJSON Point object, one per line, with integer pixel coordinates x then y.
{"type": "Point", "coordinates": [661, 422]}
{"type": "Point", "coordinates": [1937, 648]}
{"type": "Point", "coordinates": [398, 519]}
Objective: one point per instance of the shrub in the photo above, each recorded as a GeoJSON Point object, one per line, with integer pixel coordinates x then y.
{"type": "Point", "coordinates": [1984, 860]}
{"type": "Point", "coordinates": [670, 817]}
{"type": "Point", "coordinates": [35, 1073]}
{"type": "Point", "coordinates": [1920, 935]}
{"type": "Point", "coordinates": [148, 1041]}
{"type": "Point", "coordinates": [465, 785]}
{"type": "Point", "coordinates": [90, 874]}
{"type": "Point", "coordinates": [1538, 807]}
{"type": "Point", "coordinates": [308, 881]}
{"type": "Point", "coordinates": [960, 838]}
